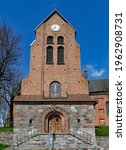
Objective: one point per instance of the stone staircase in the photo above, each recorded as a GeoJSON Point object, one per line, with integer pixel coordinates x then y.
{"type": "Point", "coordinates": [33, 139]}
{"type": "Point", "coordinates": [25, 136]}
{"type": "Point", "coordinates": [82, 136]}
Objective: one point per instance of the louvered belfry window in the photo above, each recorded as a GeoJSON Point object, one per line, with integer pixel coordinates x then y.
{"type": "Point", "coordinates": [60, 55]}
{"type": "Point", "coordinates": [49, 40]}
{"type": "Point", "coordinates": [49, 55]}
{"type": "Point", "coordinates": [60, 40]}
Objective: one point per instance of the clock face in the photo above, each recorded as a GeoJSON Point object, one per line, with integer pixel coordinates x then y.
{"type": "Point", "coordinates": [55, 27]}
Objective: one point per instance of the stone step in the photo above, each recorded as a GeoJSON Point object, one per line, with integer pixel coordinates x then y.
{"type": "Point", "coordinates": [61, 142]}
{"type": "Point", "coordinates": [40, 148]}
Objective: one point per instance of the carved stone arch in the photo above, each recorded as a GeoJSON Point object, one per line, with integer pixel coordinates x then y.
{"type": "Point", "coordinates": [57, 112]}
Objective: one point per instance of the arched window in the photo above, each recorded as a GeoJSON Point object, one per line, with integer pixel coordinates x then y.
{"type": "Point", "coordinates": [49, 40]}
{"type": "Point", "coordinates": [49, 55]}
{"type": "Point", "coordinates": [55, 89]}
{"type": "Point", "coordinates": [60, 55]}
{"type": "Point", "coordinates": [60, 40]}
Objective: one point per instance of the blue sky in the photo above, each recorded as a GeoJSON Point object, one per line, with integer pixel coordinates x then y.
{"type": "Point", "coordinates": [88, 17]}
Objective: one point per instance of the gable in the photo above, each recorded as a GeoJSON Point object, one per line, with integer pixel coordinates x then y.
{"type": "Point", "coordinates": [54, 12]}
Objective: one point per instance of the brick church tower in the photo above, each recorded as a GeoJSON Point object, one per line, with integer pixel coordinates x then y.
{"type": "Point", "coordinates": [54, 109]}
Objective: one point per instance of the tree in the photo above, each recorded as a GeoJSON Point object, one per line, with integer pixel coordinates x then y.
{"type": "Point", "coordinates": [3, 112]}
{"type": "Point", "coordinates": [10, 89]}
{"type": "Point", "coordinates": [10, 51]}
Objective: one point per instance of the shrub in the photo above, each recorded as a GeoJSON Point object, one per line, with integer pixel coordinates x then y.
{"type": "Point", "coordinates": [102, 130]}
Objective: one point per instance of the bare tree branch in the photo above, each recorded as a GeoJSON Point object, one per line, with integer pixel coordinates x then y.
{"type": "Point", "coordinates": [10, 51]}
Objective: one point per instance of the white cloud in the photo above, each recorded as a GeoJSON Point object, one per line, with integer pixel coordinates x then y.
{"type": "Point", "coordinates": [95, 72]}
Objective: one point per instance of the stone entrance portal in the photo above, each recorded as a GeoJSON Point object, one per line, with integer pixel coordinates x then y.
{"type": "Point", "coordinates": [55, 124]}
{"type": "Point", "coordinates": [54, 121]}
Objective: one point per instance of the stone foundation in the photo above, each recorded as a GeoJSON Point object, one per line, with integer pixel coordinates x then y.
{"type": "Point", "coordinates": [79, 117]}
{"type": "Point", "coordinates": [102, 141]}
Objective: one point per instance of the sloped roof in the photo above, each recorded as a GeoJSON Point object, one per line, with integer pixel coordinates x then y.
{"type": "Point", "coordinates": [55, 11]}
{"type": "Point", "coordinates": [76, 99]}
{"type": "Point", "coordinates": [100, 85]}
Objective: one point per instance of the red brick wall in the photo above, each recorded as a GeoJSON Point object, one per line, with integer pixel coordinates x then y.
{"type": "Point", "coordinates": [101, 116]}
{"type": "Point", "coordinates": [41, 74]}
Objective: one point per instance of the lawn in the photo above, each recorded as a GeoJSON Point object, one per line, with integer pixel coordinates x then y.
{"type": "Point", "coordinates": [6, 129]}
{"type": "Point", "coordinates": [3, 146]}
{"type": "Point", "coordinates": [102, 130]}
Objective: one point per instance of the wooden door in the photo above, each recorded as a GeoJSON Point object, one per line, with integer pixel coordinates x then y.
{"type": "Point", "coordinates": [55, 124]}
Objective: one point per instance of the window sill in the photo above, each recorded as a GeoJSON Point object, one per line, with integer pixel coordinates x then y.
{"type": "Point", "coordinates": [62, 63]}
{"type": "Point", "coordinates": [49, 43]}
{"type": "Point", "coordinates": [60, 43]}
{"type": "Point", "coordinates": [49, 63]}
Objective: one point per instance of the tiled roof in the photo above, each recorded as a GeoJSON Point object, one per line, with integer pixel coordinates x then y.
{"type": "Point", "coordinates": [40, 98]}
{"type": "Point", "coordinates": [101, 85]}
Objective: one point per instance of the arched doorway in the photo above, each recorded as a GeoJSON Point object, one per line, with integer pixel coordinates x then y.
{"type": "Point", "coordinates": [55, 124]}
{"type": "Point", "coordinates": [54, 121]}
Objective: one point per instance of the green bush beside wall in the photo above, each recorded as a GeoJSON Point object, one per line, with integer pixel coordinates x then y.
{"type": "Point", "coordinates": [102, 130]}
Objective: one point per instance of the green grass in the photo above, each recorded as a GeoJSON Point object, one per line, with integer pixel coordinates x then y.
{"type": "Point", "coordinates": [6, 129]}
{"type": "Point", "coordinates": [102, 130]}
{"type": "Point", "coordinates": [3, 146]}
